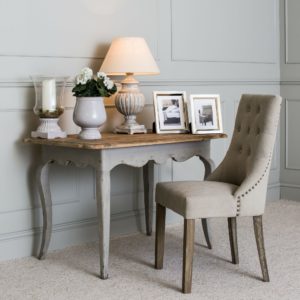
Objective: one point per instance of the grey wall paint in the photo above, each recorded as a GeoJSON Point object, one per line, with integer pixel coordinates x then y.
{"type": "Point", "coordinates": [290, 90]}
{"type": "Point", "coordinates": [203, 47]}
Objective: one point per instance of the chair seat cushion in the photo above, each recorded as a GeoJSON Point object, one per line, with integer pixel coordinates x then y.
{"type": "Point", "coordinates": [198, 199]}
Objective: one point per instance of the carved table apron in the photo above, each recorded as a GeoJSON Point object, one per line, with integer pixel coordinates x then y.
{"type": "Point", "coordinates": [103, 155]}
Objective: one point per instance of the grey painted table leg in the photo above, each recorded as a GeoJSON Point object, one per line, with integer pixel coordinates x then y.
{"type": "Point", "coordinates": [209, 167]}
{"type": "Point", "coordinates": [45, 196]}
{"type": "Point", "coordinates": [103, 208]}
{"type": "Point", "coordinates": [206, 234]}
{"type": "Point", "coordinates": [148, 175]}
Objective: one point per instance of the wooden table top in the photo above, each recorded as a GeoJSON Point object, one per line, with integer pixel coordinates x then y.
{"type": "Point", "coordinates": [113, 140]}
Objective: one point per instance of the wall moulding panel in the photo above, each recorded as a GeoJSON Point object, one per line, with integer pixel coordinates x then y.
{"type": "Point", "coordinates": [292, 45]}
{"type": "Point", "coordinates": [292, 124]}
{"type": "Point", "coordinates": [290, 82]}
{"type": "Point", "coordinates": [18, 69]}
{"type": "Point", "coordinates": [290, 185]}
{"type": "Point", "coordinates": [233, 36]}
{"type": "Point", "coordinates": [198, 82]}
{"type": "Point", "coordinates": [87, 34]}
{"type": "Point", "coordinates": [170, 82]}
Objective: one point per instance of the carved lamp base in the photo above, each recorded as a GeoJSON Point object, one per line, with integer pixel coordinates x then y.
{"type": "Point", "coordinates": [48, 129]}
{"type": "Point", "coordinates": [131, 127]}
{"type": "Point", "coordinates": [129, 102]}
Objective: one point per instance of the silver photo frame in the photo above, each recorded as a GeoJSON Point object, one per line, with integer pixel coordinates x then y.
{"type": "Point", "coordinates": [205, 112]}
{"type": "Point", "coordinates": [170, 112]}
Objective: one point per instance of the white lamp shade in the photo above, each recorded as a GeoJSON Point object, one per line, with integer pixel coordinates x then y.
{"type": "Point", "coordinates": [129, 55]}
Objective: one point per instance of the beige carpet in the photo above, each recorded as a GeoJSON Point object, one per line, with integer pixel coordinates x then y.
{"type": "Point", "coordinates": [72, 273]}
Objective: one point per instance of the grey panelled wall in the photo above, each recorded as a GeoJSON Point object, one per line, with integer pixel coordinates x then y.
{"type": "Point", "coordinates": [207, 46]}
{"type": "Point", "coordinates": [290, 90]}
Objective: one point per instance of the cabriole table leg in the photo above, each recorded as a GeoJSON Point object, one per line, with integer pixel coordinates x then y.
{"type": "Point", "coordinates": [46, 202]}
{"type": "Point", "coordinates": [209, 167]}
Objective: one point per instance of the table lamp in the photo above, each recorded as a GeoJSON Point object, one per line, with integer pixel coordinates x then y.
{"type": "Point", "coordinates": [129, 56]}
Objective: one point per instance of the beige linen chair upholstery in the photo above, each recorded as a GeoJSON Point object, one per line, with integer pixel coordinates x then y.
{"type": "Point", "coordinates": [236, 188]}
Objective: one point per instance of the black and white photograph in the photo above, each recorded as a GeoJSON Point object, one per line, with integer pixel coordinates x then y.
{"type": "Point", "coordinates": [170, 112]}
{"type": "Point", "coordinates": [206, 114]}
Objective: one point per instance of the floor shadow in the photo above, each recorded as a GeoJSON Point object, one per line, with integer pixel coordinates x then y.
{"type": "Point", "coordinates": [138, 260]}
{"type": "Point", "coordinates": [202, 245]}
{"type": "Point", "coordinates": [212, 255]}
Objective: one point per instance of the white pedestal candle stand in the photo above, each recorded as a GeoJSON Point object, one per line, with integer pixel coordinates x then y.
{"type": "Point", "coordinates": [48, 129]}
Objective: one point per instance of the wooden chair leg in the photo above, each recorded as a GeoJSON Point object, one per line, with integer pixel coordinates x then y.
{"type": "Point", "coordinates": [188, 251]}
{"type": "Point", "coordinates": [160, 236]}
{"type": "Point", "coordinates": [233, 240]}
{"type": "Point", "coordinates": [205, 231]}
{"type": "Point", "coordinates": [258, 230]}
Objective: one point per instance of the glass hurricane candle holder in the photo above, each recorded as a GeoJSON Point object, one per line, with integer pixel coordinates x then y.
{"type": "Point", "coordinates": [49, 92]}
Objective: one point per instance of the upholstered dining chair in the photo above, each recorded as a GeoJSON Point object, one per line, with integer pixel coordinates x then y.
{"type": "Point", "coordinates": [236, 188]}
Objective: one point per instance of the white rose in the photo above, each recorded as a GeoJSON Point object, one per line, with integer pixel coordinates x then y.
{"type": "Point", "coordinates": [108, 83]}
{"type": "Point", "coordinates": [86, 73]}
{"type": "Point", "coordinates": [80, 80]}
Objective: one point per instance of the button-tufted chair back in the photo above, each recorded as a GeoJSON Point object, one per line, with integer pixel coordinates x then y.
{"type": "Point", "coordinates": [247, 161]}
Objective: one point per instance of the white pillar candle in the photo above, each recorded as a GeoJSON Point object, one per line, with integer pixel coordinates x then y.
{"type": "Point", "coordinates": [49, 95]}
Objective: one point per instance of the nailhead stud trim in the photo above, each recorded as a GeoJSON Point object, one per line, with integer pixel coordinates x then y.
{"type": "Point", "coordinates": [238, 206]}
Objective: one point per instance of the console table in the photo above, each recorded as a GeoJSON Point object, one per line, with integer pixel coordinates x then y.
{"type": "Point", "coordinates": [140, 150]}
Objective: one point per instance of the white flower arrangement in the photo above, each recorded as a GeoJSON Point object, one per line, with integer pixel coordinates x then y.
{"type": "Point", "coordinates": [88, 85]}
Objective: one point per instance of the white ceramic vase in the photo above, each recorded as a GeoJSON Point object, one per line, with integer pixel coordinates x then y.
{"type": "Point", "coordinates": [89, 114]}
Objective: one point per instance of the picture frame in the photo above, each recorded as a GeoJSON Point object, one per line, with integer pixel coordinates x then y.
{"type": "Point", "coordinates": [205, 113]}
{"type": "Point", "coordinates": [170, 112]}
